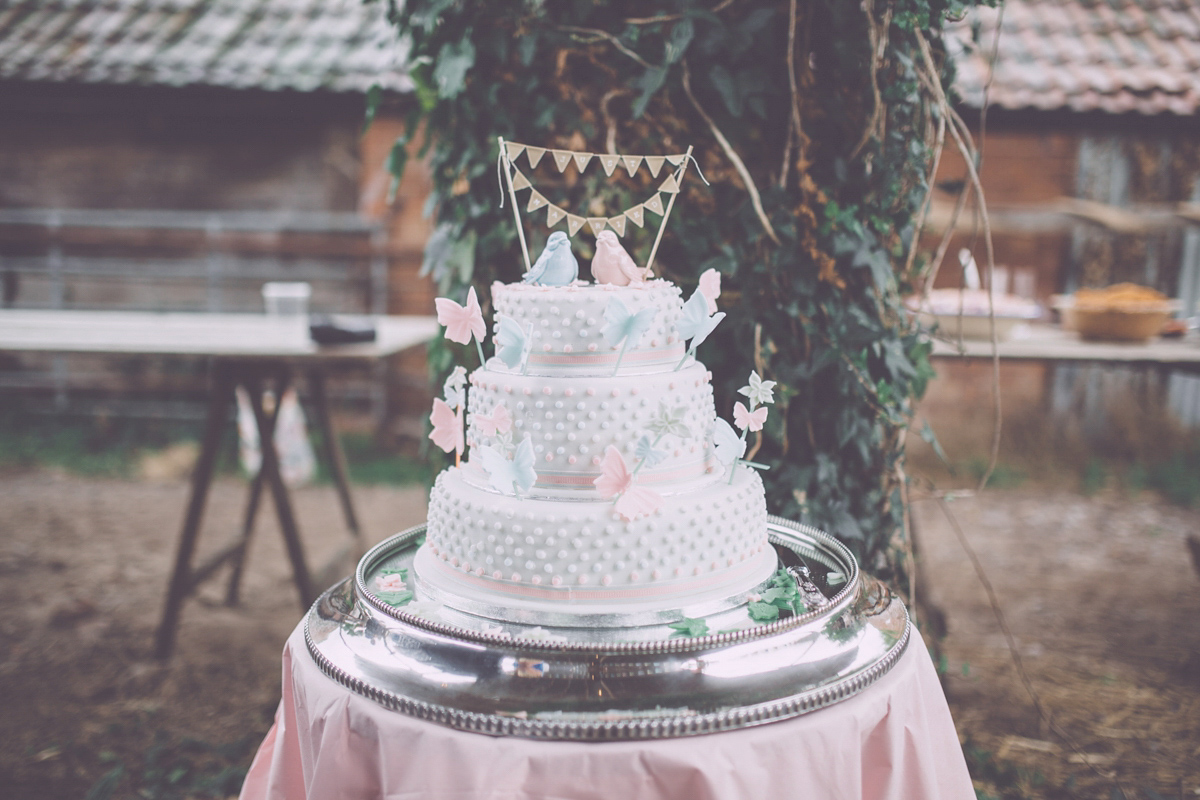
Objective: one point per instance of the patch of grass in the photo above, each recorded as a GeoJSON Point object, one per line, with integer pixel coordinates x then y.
{"type": "Point", "coordinates": [94, 446]}
{"type": "Point", "coordinates": [175, 769]}
{"type": "Point", "coordinates": [1095, 475]}
{"type": "Point", "coordinates": [370, 463]}
{"type": "Point", "coordinates": [113, 447]}
{"type": "Point", "coordinates": [999, 780]}
{"type": "Point", "coordinates": [1004, 476]}
{"type": "Point", "coordinates": [1178, 476]}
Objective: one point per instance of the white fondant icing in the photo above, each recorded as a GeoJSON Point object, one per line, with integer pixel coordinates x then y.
{"type": "Point", "coordinates": [507, 542]}
{"type": "Point", "coordinates": [577, 418]}
{"type": "Point", "coordinates": [565, 324]}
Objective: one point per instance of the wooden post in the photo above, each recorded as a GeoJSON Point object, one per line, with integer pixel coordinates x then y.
{"type": "Point", "coordinates": [513, 196]}
{"type": "Point", "coordinates": [667, 212]}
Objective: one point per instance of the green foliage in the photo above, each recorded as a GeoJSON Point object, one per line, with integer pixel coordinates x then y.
{"type": "Point", "coordinates": [823, 303]}
{"type": "Point", "coordinates": [689, 627]}
{"type": "Point", "coordinates": [1178, 475]}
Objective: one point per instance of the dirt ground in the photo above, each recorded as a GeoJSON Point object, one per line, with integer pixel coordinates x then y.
{"type": "Point", "coordinates": [1103, 602]}
{"type": "Point", "coordinates": [83, 570]}
{"type": "Point", "coordinates": [1099, 594]}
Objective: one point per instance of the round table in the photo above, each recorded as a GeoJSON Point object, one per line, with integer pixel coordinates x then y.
{"type": "Point", "coordinates": [893, 740]}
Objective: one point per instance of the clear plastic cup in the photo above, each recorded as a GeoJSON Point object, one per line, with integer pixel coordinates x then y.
{"type": "Point", "coordinates": [286, 298]}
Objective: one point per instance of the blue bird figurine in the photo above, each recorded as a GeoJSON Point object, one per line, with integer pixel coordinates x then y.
{"type": "Point", "coordinates": [556, 266]}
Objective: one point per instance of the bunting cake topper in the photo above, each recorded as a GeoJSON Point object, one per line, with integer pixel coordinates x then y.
{"type": "Point", "coordinates": [537, 203]}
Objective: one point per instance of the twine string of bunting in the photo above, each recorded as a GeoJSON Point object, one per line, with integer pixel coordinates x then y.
{"type": "Point", "coordinates": [635, 214]}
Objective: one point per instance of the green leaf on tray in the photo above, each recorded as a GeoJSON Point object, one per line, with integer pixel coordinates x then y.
{"type": "Point", "coordinates": [396, 599]}
{"type": "Point", "coordinates": [690, 627]}
{"type": "Point", "coordinates": [763, 612]}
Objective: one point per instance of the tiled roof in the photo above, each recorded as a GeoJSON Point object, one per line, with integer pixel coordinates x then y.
{"type": "Point", "coordinates": [1116, 56]}
{"type": "Point", "coordinates": [305, 45]}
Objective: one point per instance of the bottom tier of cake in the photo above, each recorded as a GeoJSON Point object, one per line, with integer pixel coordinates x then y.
{"type": "Point", "coordinates": [486, 550]}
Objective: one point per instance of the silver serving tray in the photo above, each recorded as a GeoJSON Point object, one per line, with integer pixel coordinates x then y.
{"type": "Point", "coordinates": [642, 681]}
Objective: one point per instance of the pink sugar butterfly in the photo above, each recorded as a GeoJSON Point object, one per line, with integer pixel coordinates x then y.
{"type": "Point", "coordinates": [616, 479]}
{"type": "Point", "coordinates": [499, 420]}
{"type": "Point", "coordinates": [744, 418]}
{"type": "Point", "coordinates": [710, 287]}
{"type": "Point", "coordinates": [447, 430]}
{"type": "Point", "coordinates": [461, 323]}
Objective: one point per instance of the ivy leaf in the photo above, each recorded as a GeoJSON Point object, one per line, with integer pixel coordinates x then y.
{"type": "Point", "coordinates": [374, 95]}
{"type": "Point", "coordinates": [690, 627]}
{"type": "Point", "coordinates": [763, 612]}
{"type": "Point", "coordinates": [397, 160]}
{"type": "Point", "coordinates": [931, 438]}
{"type": "Point", "coordinates": [450, 71]}
{"type": "Point", "coordinates": [723, 82]}
{"type": "Point", "coordinates": [680, 38]}
{"type": "Point", "coordinates": [650, 82]}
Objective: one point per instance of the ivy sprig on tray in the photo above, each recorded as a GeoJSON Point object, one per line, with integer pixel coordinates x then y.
{"type": "Point", "coordinates": [783, 595]}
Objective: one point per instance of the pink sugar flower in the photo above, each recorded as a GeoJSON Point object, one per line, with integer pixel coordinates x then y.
{"type": "Point", "coordinates": [710, 287]}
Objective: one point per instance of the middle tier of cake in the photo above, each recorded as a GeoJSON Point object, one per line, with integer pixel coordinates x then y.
{"type": "Point", "coordinates": [571, 421]}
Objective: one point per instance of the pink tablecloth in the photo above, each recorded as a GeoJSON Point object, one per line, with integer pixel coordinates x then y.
{"type": "Point", "coordinates": [894, 740]}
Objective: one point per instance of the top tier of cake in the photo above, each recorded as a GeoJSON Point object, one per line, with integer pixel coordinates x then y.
{"type": "Point", "coordinates": [564, 324]}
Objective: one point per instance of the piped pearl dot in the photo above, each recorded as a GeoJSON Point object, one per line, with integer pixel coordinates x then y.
{"type": "Point", "coordinates": [528, 391]}
{"type": "Point", "coordinates": [569, 392]}
{"type": "Point", "coordinates": [567, 348]}
{"type": "Point", "coordinates": [592, 347]}
{"type": "Point", "coordinates": [571, 459]}
{"type": "Point", "coordinates": [634, 577]}
{"type": "Point", "coordinates": [656, 574]}
{"type": "Point", "coordinates": [508, 389]}
{"type": "Point", "coordinates": [596, 460]}
{"type": "Point", "coordinates": [606, 580]}
{"type": "Point", "coordinates": [497, 575]}
{"type": "Point", "coordinates": [583, 579]}
{"type": "Point", "coordinates": [546, 390]}
{"type": "Point", "coordinates": [591, 392]}
{"type": "Point", "coordinates": [556, 580]}
{"type": "Point", "coordinates": [516, 577]}
{"type": "Point", "coordinates": [616, 392]}
{"type": "Point", "coordinates": [546, 349]}
{"type": "Point", "coordinates": [549, 456]}
{"type": "Point", "coordinates": [654, 342]}
{"type": "Point", "coordinates": [634, 390]}
{"type": "Point", "coordinates": [536, 579]}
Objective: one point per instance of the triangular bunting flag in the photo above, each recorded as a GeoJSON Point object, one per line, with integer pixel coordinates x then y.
{"type": "Point", "coordinates": [617, 224]}
{"type": "Point", "coordinates": [609, 163]}
{"type": "Point", "coordinates": [581, 160]}
{"type": "Point", "coordinates": [513, 150]}
{"type": "Point", "coordinates": [637, 215]}
{"type": "Point", "coordinates": [554, 215]}
{"type": "Point", "coordinates": [670, 185]}
{"type": "Point", "coordinates": [536, 201]}
{"type": "Point", "coordinates": [655, 164]}
{"type": "Point", "coordinates": [597, 224]}
{"type": "Point", "coordinates": [632, 163]}
{"type": "Point", "coordinates": [520, 181]}
{"type": "Point", "coordinates": [534, 154]}
{"type": "Point", "coordinates": [561, 158]}
{"type": "Point", "coordinates": [574, 223]}
{"type": "Point", "coordinates": [654, 203]}
{"type": "Point", "coordinates": [677, 159]}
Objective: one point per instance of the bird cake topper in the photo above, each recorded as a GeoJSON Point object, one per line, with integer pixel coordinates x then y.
{"type": "Point", "coordinates": [615, 265]}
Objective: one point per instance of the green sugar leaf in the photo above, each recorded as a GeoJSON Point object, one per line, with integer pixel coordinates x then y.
{"type": "Point", "coordinates": [690, 627]}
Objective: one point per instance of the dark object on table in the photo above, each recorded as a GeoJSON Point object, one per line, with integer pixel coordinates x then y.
{"type": "Point", "coordinates": [340, 330]}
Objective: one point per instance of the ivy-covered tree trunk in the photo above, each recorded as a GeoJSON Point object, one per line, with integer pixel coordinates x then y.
{"type": "Point", "coordinates": [810, 122]}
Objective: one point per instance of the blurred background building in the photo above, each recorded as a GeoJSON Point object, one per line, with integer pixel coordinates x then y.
{"type": "Point", "coordinates": [1086, 114]}
{"type": "Point", "coordinates": [176, 155]}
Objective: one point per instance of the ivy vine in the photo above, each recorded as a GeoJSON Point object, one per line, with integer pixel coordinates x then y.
{"type": "Point", "coordinates": [814, 128]}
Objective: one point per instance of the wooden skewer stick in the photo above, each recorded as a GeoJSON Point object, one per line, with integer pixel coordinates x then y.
{"type": "Point", "coordinates": [667, 213]}
{"type": "Point", "coordinates": [513, 196]}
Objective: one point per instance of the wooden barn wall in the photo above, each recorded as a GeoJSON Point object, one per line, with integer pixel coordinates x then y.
{"type": "Point", "coordinates": [103, 147]}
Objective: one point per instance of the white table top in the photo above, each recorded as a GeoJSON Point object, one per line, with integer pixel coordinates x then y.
{"type": "Point", "coordinates": [198, 334]}
{"type": "Point", "coordinates": [1049, 343]}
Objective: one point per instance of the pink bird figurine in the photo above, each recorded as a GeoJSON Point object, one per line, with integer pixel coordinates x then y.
{"type": "Point", "coordinates": [612, 264]}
